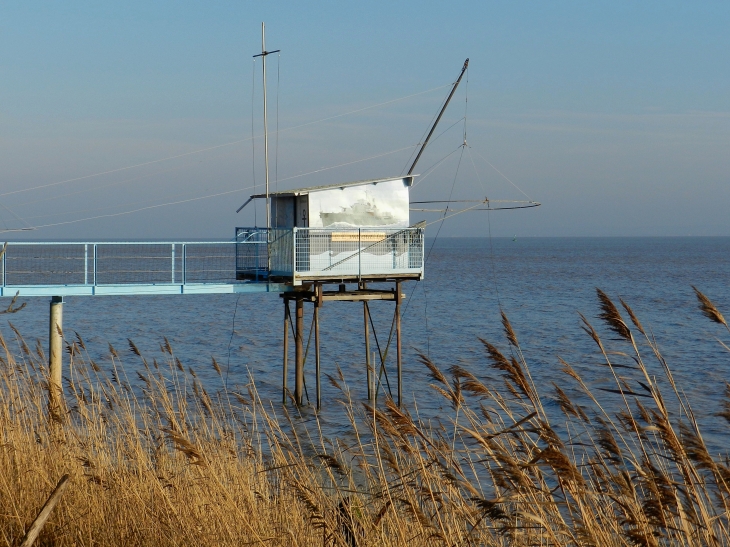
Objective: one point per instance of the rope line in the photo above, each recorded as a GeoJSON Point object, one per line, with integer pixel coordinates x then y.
{"type": "Point", "coordinates": [503, 175]}
{"type": "Point", "coordinates": [453, 184]}
{"type": "Point", "coordinates": [420, 140]}
{"type": "Point", "coordinates": [207, 196]}
{"type": "Point", "coordinates": [489, 228]}
{"type": "Point", "coordinates": [230, 341]}
{"type": "Point", "coordinates": [433, 168]}
{"type": "Point", "coordinates": [9, 210]}
{"type": "Point", "coordinates": [116, 183]}
{"type": "Point", "coordinates": [135, 210]}
{"type": "Point", "coordinates": [347, 163]}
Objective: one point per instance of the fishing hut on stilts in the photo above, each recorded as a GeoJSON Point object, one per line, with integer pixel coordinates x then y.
{"type": "Point", "coordinates": [347, 242]}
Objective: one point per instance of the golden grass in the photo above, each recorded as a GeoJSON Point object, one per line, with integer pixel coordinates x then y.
{"type": "Point", "coordinates": [171, 464]}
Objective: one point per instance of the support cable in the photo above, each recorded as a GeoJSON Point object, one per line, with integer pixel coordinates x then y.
{"type": "Point", "coordinates": [489, 227]}
{"type": "Point", "coordinates": [383, 356]}
{"type": "Point", "coordinates": [304, 360]}
{"type": "Point", "coordinates": [29, 227]}
{"type": "Point", "coordinates": [433, 167]}
{"type": "Point", "coordinates": [230, 341]}
{"type": "Point", "coordinates": [453, 184]}
{"type": "Point", "coordinates": [513, 349]}
{"type": "Point", "coordinates": [503, 175]}
{"type": "Point", "coordinates": [230, 143]}
{"type": "Point", "coordinates": [207, 196]}
{"type": "Point", "coordinates": [423, 135]}
{"type": "Point", "coordinates": [109, 215]}
{"type": "Point", "coordinates": [99, 187]}
{"type": "Point", "coordinates": [456, 174]}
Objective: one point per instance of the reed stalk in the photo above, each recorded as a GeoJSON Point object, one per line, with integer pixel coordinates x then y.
{"type": "Point", "coordinates": [167, 460]}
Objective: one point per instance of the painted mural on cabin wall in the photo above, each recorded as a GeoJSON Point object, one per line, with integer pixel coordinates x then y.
{"type": "Point", "coordinates": [382, 205]}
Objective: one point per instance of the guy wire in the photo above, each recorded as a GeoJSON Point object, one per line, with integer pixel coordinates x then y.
{"type": "Point", "coordinates": [489, 225]}
{"type": "Point", "coordinates": [230, 341]}
{"type": "Point", "coordinates": [453, 184]}
{"type": "Point", "coordinates": [215, 147]}
{"type": "Point", "coordinates": [420, 140]}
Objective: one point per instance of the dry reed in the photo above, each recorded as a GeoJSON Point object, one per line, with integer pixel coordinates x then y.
{"type": "Point", "coordinates": [161, 461]}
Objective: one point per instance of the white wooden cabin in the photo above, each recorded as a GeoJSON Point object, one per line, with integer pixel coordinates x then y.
{"type": "Point", "coordinates": [334, 233]}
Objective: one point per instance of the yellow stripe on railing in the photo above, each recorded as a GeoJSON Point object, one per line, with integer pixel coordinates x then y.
{"type": "Point", "coordinates": [352, 235]}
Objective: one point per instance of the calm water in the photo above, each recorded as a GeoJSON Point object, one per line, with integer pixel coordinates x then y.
{"type": "Point", "coordinates": [541, 283]}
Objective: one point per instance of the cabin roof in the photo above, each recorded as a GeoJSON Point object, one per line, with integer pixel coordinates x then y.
{"type": "Point", "coordinates": [310, 189]}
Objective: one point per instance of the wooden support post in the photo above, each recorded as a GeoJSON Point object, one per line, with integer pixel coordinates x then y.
{"type": "Point", "coordinates": [55, 353]}
{"type": "Point", "coordinates": [318, 290]}
{"type": "Point", "coordinates": [369, 371]}
{"type": "Point", "coordinates": [286, 349]}
{"type": "Point", "coordinates": [299, 354]}
{"type": "Point", "coordinates": [398, 342]}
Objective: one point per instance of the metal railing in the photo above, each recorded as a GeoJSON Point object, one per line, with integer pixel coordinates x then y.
{"type": "Point", "coordinates": [359, 253]}
{"type": "Point", "coordinates": [252, 259]}
{"type": "Point", "coordinates": [317, 253]}
{"type": "Point", "coordinates": [257, 255]}
{"type": "Point", "coordinates": [119, 263]}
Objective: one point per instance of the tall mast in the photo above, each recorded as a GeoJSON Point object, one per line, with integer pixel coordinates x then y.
{"type": "Point", "coordinates": [263, 55]}
{"type": "Point", "coordinates": [266, 127]}
{"type": "Point", "coordinates": [438, 119]}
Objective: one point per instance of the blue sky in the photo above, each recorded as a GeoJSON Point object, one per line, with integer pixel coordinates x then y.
{"type": "Point", "coordinates": [615, 115]}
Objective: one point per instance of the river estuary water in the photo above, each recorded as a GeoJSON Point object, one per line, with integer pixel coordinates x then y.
{"type": "Point", "coordinates": [541, 283]}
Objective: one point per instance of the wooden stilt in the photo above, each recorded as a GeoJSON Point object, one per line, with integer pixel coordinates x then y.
{"type": "Point", "coordinates": [374, 361]}
{"type": "Point", "coordinates": [286, 350]}
{"type": "Point", "coordinates": [299, 354]}
{"type": "Point", "coordinates": [316, 351]}
{"type": "Point", "coordinates": [368, 367]}
{"type": "Point", "coordinates": [398, 342]}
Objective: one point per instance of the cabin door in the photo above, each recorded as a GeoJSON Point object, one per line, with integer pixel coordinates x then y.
{"type": "Point", "coordinates": [303, 236]}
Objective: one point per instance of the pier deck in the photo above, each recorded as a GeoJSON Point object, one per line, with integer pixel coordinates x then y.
{"type": "Point", "coordinates": [124, 268]}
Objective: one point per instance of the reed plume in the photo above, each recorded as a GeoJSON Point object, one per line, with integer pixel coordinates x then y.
{"type": "Point", "coordinates": [708, 308]}
{"type": "Point", "coordinates": [172, 459]}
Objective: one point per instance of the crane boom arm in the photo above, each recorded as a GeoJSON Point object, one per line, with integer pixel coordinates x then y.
{"type": "Point", "coordinates": [438, 119]}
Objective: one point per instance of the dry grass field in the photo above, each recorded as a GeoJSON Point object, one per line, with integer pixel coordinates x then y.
{"type": "Point", "coordinates": [169, 463]}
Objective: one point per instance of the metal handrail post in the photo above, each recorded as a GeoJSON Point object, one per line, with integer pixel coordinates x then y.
{"type": "Point", "coordinates": [421, 245]}
{"type": "Point", "coordinates": [95, 254]}
{"type": "Point", "coordinates": [86, 264]}
{"type": "Point", "coordinates": [359, 254]}
{"type": "Point", "coordinates": [172, 254]}
{"type": "Point", "coordinates": [393, 247]}
{"type": "Point", "coordinates": [184, 263]}
{"type": "Point", "coordinates": [258, 257]}
{"type": "Point", "coordinates": [294, 252]}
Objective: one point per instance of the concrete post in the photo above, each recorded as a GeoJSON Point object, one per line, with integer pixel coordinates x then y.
{"type": "Point", "coordinates": [55, 351]}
